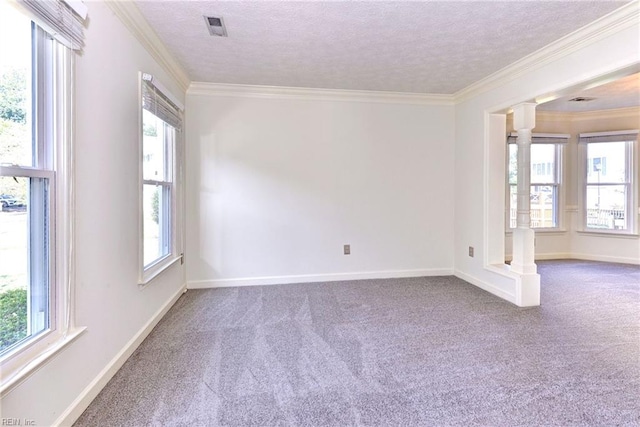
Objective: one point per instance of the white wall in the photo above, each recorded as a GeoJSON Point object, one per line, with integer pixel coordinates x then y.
{"type": "Point", "coordinates": [615, 49]}
{"type": "Point", "coordinates": [108, 299]}
{"type": "Point", "coordinates": [571, 243]}
{"type": "Point", "coordinates": [277, 186]}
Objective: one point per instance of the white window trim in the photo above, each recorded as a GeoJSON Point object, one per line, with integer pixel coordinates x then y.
{"type": "Point", "coordinates": [632, 198]}
{"type": "Point", "coordinates": [560, 192]}
{"type": "Point", "coordinates": [151, 272]}
{"type": "Point", "coordinates": [19, 363]}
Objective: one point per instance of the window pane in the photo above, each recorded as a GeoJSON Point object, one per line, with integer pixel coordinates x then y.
{"type": "Point", "coordinates": [156, 223]}
{"type": "Point", "coordinates": [513, 205]}
{"type": "Point", "coordinates": [543, 197]}
{"type": "Point", "coordinates": [16, 145]}
{"type": "Point", "coordinates": [155, 160]}
{"type": "Point", "coordinates": [607, 207]}
{"type": "Point", "coordinates": [606, 162]}
{"type": "Point", "coordinates": [24, 259]}
{"type": "Point", "coordinates": [513, 164]}
{"type": "Point", "coordinates": [543, 163]}
{"type": "Point", "coordinates": [543, 206]}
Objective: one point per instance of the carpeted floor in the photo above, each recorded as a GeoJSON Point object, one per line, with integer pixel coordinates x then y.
{"type": "Point", "coordinates": [430, 351]}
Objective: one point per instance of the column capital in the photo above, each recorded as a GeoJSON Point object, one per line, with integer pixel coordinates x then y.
{"type": "Point", "coordinates": [524, 115]}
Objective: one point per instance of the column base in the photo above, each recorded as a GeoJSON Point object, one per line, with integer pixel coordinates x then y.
{"type": "Point", "coordinates": [528, 290]}
{"type": "Point", "coordinates": [523, 261]}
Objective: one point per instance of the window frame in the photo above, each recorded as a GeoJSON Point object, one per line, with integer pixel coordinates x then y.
{"type": "Point", "coordinates": [52, 109]}
{"type": "Point", "coordinates": [558, 202]}
{"type": "Point", "coordinates": [632, 170]}
{"type": "Point", "coordinates": [147, 273]}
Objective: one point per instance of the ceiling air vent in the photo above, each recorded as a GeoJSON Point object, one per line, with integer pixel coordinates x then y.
{"type": "Point", "coordinates": [216, 26]}
{"type": "Point", "coordinates": [581, 99]}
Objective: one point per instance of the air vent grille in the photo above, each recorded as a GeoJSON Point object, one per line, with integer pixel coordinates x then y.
{"type": "Point", "coordinates": [215, 25]}
{"type": "Point", "coordinates": [214, 22]}
{"type": "Point", "coordinates": [581, 99]}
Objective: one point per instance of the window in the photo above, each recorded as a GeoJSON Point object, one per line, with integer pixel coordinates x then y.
{"type": "Point", "coordinates": [26, 184]}
{"type": "Point", "coordinates": [161, 123]}
{"type": "Point", "coordinates": [34, 202]}
{"type": "Point", "coordinates": [608, 181]}
{"type": "Point", "coordinates": [157, 170]}
{"type": "Point", "coordinates": [546, 154]}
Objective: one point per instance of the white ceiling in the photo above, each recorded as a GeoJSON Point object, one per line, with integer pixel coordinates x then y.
{"type": "Point", "coordinates": [420, 47]}
{"type": "Point", "coordinates": [621, 93]}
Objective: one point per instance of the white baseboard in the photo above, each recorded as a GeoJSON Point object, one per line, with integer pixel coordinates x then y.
{"type": "Point", "coordinates": [309, 278]}
{"type": "Point", "coordinates": [586, 257]}
{"type": "Point", "coordinates": [606, 258]}
{"type": "Point", "coordinates": [73, 412]}
{"type": "Point", "coordinates": [487, 286]}
{"type": "Point", "coordinates": [547, 256]}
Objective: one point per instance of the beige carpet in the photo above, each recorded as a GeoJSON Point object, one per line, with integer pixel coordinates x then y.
{"type": "Point", "coordinates": [423, 351]}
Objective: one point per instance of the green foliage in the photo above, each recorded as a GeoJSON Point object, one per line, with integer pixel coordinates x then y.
{"type": "Point", "coordinates": [15, 140]}
{"type": "Point", "coordinates": [13, 95]}
{"type": "Point", "coordinates": [149, 130]}
{"type": "Point", "coordinates": [13, 317]}
{"type": "Point", "coordinates": [14, 147]}
{"type": "Point", "coordinates": [155, 207]}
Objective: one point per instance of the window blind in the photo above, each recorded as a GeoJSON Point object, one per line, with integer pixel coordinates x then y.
{"type": "Point", "coordinates": [541, 138]}
{"type": "Point", "coordinates": [618, 136]}
{"type": "Point", "coordinates": [159, 103]}
{"type": "Point", "coordinates": [63, 20]}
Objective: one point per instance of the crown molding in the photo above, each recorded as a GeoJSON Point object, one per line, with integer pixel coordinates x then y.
{"type": "Point", "coordinates": [281, 92]}
{"type": "Point", "coordinates": [621, 18]}
{"type": "Point", "coordinates": [135, 22]}
{"type": "Point", "coordinates": [574, 116]}
{"type": "Point", "coordinates": [617, 113]}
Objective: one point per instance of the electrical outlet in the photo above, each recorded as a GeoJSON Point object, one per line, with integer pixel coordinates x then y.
{"type": "Point", "coordinates": [347, 249]}
{"type": "Point", "coordinates": [471, 251]}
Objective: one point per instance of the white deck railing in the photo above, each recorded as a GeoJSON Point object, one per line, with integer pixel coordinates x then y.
{"type": "Point", "coordinates": [541, 216]}
{"type": "Point", "coordinates": [611, 219]}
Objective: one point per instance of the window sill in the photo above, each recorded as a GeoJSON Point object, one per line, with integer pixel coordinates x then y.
{"type": "Point", "coordinates": [543, 230]}
{"type": "Point", "coordinates": [157, 269]}
{"type": "Point", "coordinates": [43, 357]}
{"type": "Point", "coordinates": [608, 234]}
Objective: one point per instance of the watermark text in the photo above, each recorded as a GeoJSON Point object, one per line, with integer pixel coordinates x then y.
{"type": "Point", "coordinates": [17, 422]}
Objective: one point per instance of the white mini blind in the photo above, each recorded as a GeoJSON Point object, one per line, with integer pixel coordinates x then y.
{"type": "Point", "coordinates": [541, 138]}
{"type": "Point", "coordinates": [160, 103]}
{"type": "Point", "coordinates": [617, 136]}
{"type": "Point", "coordinates": [63, 20]}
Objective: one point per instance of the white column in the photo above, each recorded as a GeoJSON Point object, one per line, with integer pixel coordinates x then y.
{"type": "Point", "coordinates": [523, 263]}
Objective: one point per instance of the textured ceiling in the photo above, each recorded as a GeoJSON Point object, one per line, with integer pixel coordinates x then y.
{"type": "Point", "coordinates": [621, 93]}
{"type": "Point", "coordinates": [421, 47]}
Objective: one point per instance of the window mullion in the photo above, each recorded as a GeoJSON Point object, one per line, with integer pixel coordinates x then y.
{"type": "Point", "coordinates": [154, 182]}
{"type": "Point", "coordinates": [21, 171]}
{"type": "Point", "coordinates": [607, 184]}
